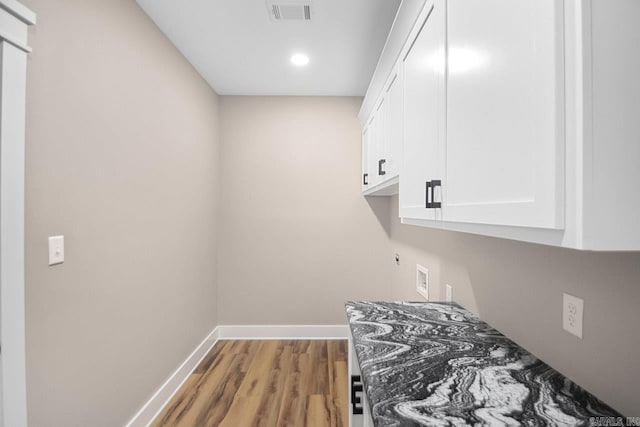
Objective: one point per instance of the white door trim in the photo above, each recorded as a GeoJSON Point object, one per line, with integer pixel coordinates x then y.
{"type": "Point", "coordinates": [14, 19]}
{"type": "Point", "coordinates": [19, 11]}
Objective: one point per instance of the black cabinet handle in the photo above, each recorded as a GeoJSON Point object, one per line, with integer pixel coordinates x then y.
{"type": "Point", "coordinates": [430, 193]}
{"type": "Point", "coordinates": [427, 196]}
{"type": "Point", "coordinates": [380, 163]}
{"type": "Point", "coordinates": [356, 401]}
{"type": "Point", "coordinates": [365, 181]}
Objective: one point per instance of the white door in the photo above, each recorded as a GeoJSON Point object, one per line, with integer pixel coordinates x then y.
{"type": "Point", "coordinates": [1, 380]}
{"type": "Point", "coordinates": [14, 20]}
{"type": "Point", "coordinates": [423, 108]}
{"type": "Point", "coordinates": [504, 159]}
{"type": "Point", "coordinates": [13, 63]}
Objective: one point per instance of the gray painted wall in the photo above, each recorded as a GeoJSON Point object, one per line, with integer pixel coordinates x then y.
{"type": "Point", "coordinates": [296, 237]}
{"type": "Point", "coordinates": [122, 154]}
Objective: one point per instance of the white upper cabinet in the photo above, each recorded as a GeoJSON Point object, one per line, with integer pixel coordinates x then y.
{"type": "Point", "coordinates": [504, 156]}
{"type": "Point", "coordinates": [517, 120]}
{"type": "Point", "coordinates": [383, 139]}
{"type": "Point", "coordinates": [423, 113]}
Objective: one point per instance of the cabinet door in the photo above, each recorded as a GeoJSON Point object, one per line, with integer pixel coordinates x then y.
{"type": "Point", "coordinates": [376, 147]}
{"type": "Point", "coordinates": [393, 118]}
{"type": "Point", "coordinates": [365, 159]}
{"type": "Point", "coordinates": [372, 150]}
{"type": "Point", "coordinates": [504, 159]}
{"type": "Point", "coordinates": [423, 108]}
{"type": "Point", "coordinates": [367, 418]}
{"type": "Point", "coordinates": [355, 420]}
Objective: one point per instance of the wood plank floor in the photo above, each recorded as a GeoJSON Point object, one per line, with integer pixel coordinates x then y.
{"type": "Point", "coordinates": [264, 383]}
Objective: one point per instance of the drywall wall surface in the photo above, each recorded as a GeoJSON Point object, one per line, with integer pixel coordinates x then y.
{"type": "Point", "coordinates": [297, 237]}
{"type": "Point", "coordinates": [122, 154]}
{"type": "Point", "coordinates": [517, 288]}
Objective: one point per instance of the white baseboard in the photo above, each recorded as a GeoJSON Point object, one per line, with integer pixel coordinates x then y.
{"type": "Point", "coordinates": [277, 332]}
{"type": "Point", "coordinates": [163, 395]}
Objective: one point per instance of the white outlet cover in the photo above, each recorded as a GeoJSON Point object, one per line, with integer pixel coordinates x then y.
{"type": "Point", "coordinates": [422, 281]}
{"type": "Point", "coordinates": [56, 250]}
{"type": "Point", "coordinates": [572, 314]}
{"type": "Point", "coordinates": [448, 293]}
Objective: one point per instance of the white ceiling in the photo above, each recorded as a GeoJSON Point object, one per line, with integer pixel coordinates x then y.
{"type": "Point", "coordinates": [239, 50]}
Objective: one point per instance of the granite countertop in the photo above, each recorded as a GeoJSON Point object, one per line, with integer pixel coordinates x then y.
{"type": "Point", "coordinates": [438, 364]}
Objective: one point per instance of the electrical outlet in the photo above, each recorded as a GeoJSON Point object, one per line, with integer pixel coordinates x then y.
{"type": "Point", "coordinates": [448, 293]}
{"type": "Point", "coordinates": [572, 310]}
{"type": "Point", "coordinates": [422, 281]}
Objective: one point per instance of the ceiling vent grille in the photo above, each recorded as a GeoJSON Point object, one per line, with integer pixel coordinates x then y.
{"type": "Point", "coordinates": [289, 11]}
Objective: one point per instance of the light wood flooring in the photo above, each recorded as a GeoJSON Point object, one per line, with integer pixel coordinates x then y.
{"type": "Point", "coordinates": [264, 383]}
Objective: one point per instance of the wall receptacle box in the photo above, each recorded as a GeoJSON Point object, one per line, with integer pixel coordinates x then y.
{"type": "Point", "coordinates": [448, 293]}
{"type": "Point", "coordinates": [422, 281]}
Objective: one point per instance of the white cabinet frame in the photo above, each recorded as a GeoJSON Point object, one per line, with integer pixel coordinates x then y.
{"type": "Point", "coordinates": [14, 22]}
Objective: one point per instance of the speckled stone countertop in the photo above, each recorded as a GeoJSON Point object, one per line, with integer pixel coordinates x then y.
{"type": "Point", "coordinates": [437, 364]}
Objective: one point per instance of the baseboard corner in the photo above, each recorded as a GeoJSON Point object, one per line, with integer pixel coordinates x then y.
{"type": "Point", "coordinates": [152, 408]}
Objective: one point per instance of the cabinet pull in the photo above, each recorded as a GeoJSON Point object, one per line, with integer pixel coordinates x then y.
{"type": "Point", "coordinates": [434, 184]}
{"type": "Point", "coordinates": [356, 400]}
{"type": "Point", "coordinates": [430, 194]}
{"type": "Point", "coordinates": [365, 181]}
{"type": "Point", "coordinates": [381, 162]}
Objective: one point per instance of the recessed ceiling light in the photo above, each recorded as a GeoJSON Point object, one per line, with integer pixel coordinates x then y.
{"type": "Point", "coordinates": [299, 59]}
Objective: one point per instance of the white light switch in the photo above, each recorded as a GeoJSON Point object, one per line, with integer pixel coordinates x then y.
{"type": "Point", "coordinates": [56, 250]}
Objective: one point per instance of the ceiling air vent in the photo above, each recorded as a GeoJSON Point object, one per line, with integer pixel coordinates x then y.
{"type": "Point", "coordinates": [289, 11]}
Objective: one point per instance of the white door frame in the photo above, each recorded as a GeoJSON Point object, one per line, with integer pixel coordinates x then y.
{"type": "Point", "coordinates": [14, 22]}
